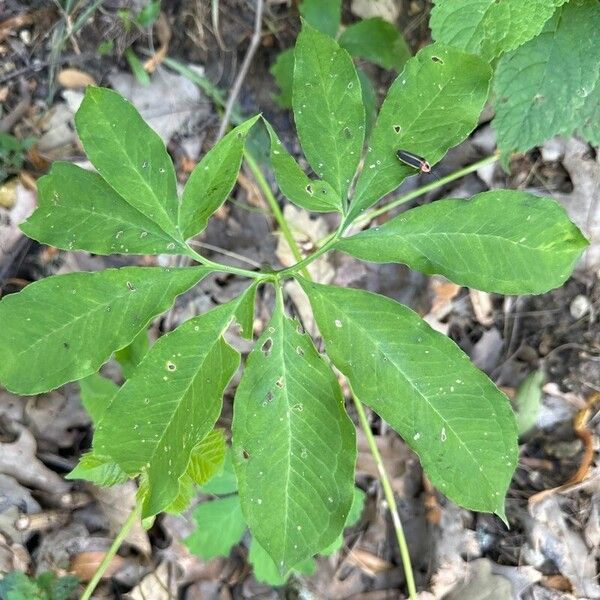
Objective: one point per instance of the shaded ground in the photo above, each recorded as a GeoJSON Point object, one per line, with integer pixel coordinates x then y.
{"type": "Point", "coordinates": [47, 523]}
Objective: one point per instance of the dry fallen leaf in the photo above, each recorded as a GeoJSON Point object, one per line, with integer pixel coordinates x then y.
{"type": "Point", "coordinates": [85, 564]}
{"type": "Point", "coordinates": [482, 307]}
{"type": "Point", "coordinates": [74, 79]}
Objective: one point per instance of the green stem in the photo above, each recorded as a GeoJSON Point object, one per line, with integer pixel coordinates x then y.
{"type": "Point", "coordinates": [274, 206]}
{"type": "Point", "coordinates": [227, 268]}
{"type": "Point", "coordinates": [112, 551]}
{"type": "Point", "coordinates": [371, 214]}
{"type": "Point", "coordinates": [389, 496]}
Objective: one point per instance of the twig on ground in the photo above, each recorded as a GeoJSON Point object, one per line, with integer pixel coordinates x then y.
{"type": "Point", "coordinates": [235, 90]}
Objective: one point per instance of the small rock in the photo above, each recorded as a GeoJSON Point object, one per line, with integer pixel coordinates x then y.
{"type": "Point", "coordinates": [553, 150]}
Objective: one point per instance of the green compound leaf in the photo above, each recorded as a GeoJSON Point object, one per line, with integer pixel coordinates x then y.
{"type": "Point", "coordinates": [358, 504]}
{"type": "Point", "coordinates": [212, 180]}
{"type": "Point", "coordinates": [500, 241]}
{"type": "Point", "coordinates": [100, 470]}
{"type": "Point", "coordinates": [293, 446]}
{"type": "Point", "coordinates": [328, 108]}
{"type": "Point", "coordinates": [170, 404]}
{"type": "Point", "coordinates": [531, 104]}
{"type": "Point", "coordinates": [369, 96]}
{"type": "Point", "coordinates": [323, 16]}
{"type": "Point", "coordinates": [425, 387]}
{"type": "Point", "coordinates": [489, 27]}
{"type": "Point", "coordinates": [65, 327]}
{"type": "Point", "coordinates": [283, 72]}
{"type": "Point", "coordinates": [295, 185]}
{"type": "Point", "coordinates": [129, 155]}
{"type": "Point", "coordinates": [376, 40]}
{"type": "Point", "coordinates": [221, 525]}
{"type": "Point", "coordinates": [433, 105]}
{"type": "Point", "coordinates": [78, 210]}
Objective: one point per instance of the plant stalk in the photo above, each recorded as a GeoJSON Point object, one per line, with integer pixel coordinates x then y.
{"type": "Point", "coordinates": [112, 551]}
{"type": "Point", "coordinates": [276, 210]}
{"type": "Point", "coordinates": [389, 496]}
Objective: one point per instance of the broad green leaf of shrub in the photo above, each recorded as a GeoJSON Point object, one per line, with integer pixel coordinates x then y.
{"type": "Point", "coordinates": [328, 108]}
{"type": "Point", "coordinates": [547, 86]}
{"type": "Point", "coordinates": [221, 525]}
{"type": "Point", "coordinates": [170, 404]}
{"type": "Point", "coordinates": [500, 241]}
{"type": "Point", "coordinates": [65, 327]}
{"type": "Point", "coordinates": [450, 413]}
{"type": "Point", "coordinates": [323, 16]}
{"type": "Point", "coordinates": [589, 117]}
{"type": "Point", "coordinates": [129, 155]}
{"type": "Point", "coordinates": [358, 504]}
{"type": "Point", "coordinates": [294, 446]}
{"type": "Point", "coordinates": [96, 393]}
{"type": "Point", "coordinates": [101, 470]}
{"type": "Point", "coordinates": [224, 481]}
{"type": "Point", "coordinates": [295, 185]}
{"type": "Point", "coordinates": [283, 72]}
{"type": "Point", "coordinates": [369, 97]}
{"type": "Point", "coordinates": [212, 180]}
{"type": "Point", "coordinates": [433, 105]}
{"type": "Point", "coordinates": [266, 571]}
{"type": "Point", "coordinates": [206, 460]}
{"type": "Point", "coordinates": [376, 40]}
{"type": "Point", "coordinates": [489, 27]}
{"type": "Point", "coordinates": [78, 210]}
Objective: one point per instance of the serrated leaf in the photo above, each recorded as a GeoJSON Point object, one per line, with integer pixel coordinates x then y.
{"type": "Point", "coordinates": [433, 105]}
{"type": "Point", "coordinates": [283, 72]}
{"type": "Point", "coordinates": [170, 404]}
{"type": "Point", "coordinates": [221, 525]}
{"type": "Point", "coordinates": [532, 106]}
{"type": "Point", "coordinates": [207, 457]}
{"type": "Point", "coordinates": [499, 241]}
{"type": "Point", "coordinates": [293, 445]}
{"type": "Point", "coordinates": [206, 460]}
{"type": "Point", "coordinates": [78, 210]}
{"type": "Point", "coordinates": [266, 571]}
{"type": "Point", "coordinates": [101, 470]}
{"type": "Point", "coordinates": [212, 180]}
{"type": "Point", "coordinates": [328, 108]}
{"type": "Point", "coordinates": [225, 481]}
{"type": "Point", "coordinates": [295, 185]}
{"type": "Point", "coordinates": [323, 16]}
{"type": "Point", "coordinates": [131, 356]}
{"type": "Point", "coordinates": [96, 393]}
{"type": "Point", "coordinates": [129, 155]}
{"type": "Point", "coordinates": [489, 27]}
{"type": "Point", "coordinates": [65, 327]}
{"type": "Point", "coordinates": [425, 387]}
{"type": "Point", "coordinates": [377, 41]}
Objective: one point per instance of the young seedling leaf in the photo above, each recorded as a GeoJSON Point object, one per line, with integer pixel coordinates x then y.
{"type": "Point", "coordinates": [100, 470]}
{"type": "Point", "coordinates": [66, 327]}
{"type": "Point", "coordinates": [295, 185]}
{"type": "Point", "coordinates": [78, 210]}
{"type": "Point", "coordinates": [131, 356]}
{"type": "Point", "coordinates": [433, 105]}
{"type": "Point", "coordinates": [328, 108]}
{"type": "Point", "coordinates": [377, 41]}
{"type": "Point", "coordinates": [170, 404]}
{"type": "Point", "coordinates": [206, 460]}
{"type": "Point", "coordinates": [323, 16]}
{"type": "Point", "coordinates": [221, 525]}
{"type": "Point", "coordinates": [96, 393]}
{"type": "Point", "coordinates": [212, 180]}
{"type": "Point", "coordinates": [531, 106]}
{"type": "Point", "coordinates": [293, 445]}
{"type": "Point", "coordinates": [129, 155]}
{"type": "Point", "coordinates": [283, 72]}
{"type": "Point", "coordinates": [450, 413]}
{"type": "Point", "coordinates": [225, 481]}
{"type": "Point", "coordinates": [528, 401]}
{"type": "Point", "coordinates": [489, 27]}
{"type": "Point", "coordinates": [500, 241]}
